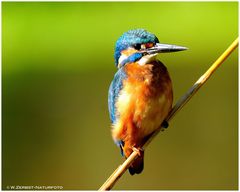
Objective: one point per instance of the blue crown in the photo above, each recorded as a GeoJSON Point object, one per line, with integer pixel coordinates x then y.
{"type": "Point", "coordinates": [132, 38]}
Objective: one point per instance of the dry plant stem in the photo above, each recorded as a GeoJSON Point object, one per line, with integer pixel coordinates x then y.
{"type": "Point", "coordinates": [182, 101]}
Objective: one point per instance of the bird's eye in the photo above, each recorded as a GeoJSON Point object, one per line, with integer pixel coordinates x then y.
{"type": "Point", "coordinates": [137, 46]}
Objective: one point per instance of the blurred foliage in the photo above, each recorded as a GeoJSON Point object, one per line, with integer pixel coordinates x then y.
{"type": "Point", "coordinates": [57, 64]}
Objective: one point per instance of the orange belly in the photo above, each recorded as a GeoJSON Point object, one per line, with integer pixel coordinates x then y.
{"type": "Point", "coordinates": [143, 103]}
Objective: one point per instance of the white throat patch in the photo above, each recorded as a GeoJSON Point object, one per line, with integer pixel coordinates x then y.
{"type": "Point", "coordinates": [144, 60]}
{"type": "Point", "coordinates": [147, 59]}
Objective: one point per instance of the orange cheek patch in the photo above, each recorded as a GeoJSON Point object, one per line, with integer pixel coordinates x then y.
{"type": "Point", "coordinates": [129, 51]}
{"type": "Point", "coordinates": [149, 45]}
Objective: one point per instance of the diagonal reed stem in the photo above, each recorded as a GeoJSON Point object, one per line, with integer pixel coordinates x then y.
{"type": "Point", "coordinates": [178, 106]}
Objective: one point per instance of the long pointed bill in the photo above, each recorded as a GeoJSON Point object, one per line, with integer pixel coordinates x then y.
{"type": "Point", "coordinates": [164, 48]}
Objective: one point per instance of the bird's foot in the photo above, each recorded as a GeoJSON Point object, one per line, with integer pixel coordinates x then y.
{"type": "Point", "coordinates": [139, 150]}
{"type": "Point", "coordinates": [165, 124]}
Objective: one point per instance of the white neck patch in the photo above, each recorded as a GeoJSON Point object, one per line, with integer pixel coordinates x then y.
{"type": "Point", "coordinates": [122, 58]}
{"type": "Point", "coordinates": [144, 60]}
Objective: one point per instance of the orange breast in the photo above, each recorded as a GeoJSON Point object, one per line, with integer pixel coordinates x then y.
{"type": "Point", "coordinates": [143, 103]}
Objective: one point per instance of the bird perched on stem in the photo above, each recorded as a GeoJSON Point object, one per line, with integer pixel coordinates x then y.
{"type": "Point", "coordinates": [140, 95]}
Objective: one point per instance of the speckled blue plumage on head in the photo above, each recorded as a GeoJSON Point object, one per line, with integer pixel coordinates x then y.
{"type": "Point", "coordinates": [132, 38]}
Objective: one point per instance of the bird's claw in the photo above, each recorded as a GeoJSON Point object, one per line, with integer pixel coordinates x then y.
{"type": "Point", "coordinates": [165, 124]}
{"type": "Point", "coordinates": [139, 150]}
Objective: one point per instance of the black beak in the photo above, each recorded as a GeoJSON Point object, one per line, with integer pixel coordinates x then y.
{"type": "Point", "coordinates": [164, 48]}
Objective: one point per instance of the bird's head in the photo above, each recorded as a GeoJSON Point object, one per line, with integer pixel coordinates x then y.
{"type": "Point", "coordinates": [140, 46]}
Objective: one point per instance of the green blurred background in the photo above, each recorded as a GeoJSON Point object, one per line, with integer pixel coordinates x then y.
{"type": "Point", "coordinates": [57, 64]}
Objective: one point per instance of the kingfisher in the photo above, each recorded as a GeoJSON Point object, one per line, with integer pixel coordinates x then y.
{"type": "Point", "coordinates": [140, 95]}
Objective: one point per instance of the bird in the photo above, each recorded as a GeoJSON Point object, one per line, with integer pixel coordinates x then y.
{"type": "Point", "coordinates": [140, 95]}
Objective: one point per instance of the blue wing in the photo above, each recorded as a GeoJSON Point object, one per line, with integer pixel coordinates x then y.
{"type": "Point", "coordinates": [114, 90]}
